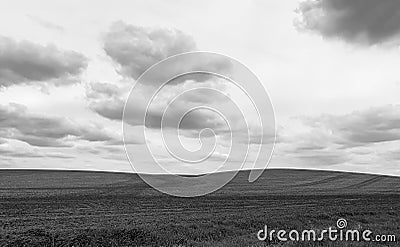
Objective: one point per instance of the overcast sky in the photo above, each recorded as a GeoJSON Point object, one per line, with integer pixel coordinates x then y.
{"type": "Point", "coordinates": [330, 68]}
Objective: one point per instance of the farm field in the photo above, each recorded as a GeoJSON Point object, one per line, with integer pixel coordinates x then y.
{"type": "Point", "coordinates": [76, 208]}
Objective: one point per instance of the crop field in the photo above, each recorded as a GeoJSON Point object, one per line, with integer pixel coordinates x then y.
{"type": "Point", "coordinates": [75, 208]}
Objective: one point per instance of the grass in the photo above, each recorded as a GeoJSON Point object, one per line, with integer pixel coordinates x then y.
{"type": "Point", "coordinates": [66, 208]}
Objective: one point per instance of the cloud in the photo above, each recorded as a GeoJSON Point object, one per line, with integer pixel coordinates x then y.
{"type": "Point", "coordinates": [392, 154]}
{"type": "Point", "coordinates": [113, 109]}
{"type": "Point", "coordinates": [108, 100]}
{"type": "Point", "coordinates": [323, 158]}
{"type": "Point", "coordinates": [374, 125]}
{"type": "Point", "coordinates": [356, 138]}
{"type": "Point", "coordinates": [136, 48]}
{"type": "Point", "coordinates": [44, 131]}
{"type": "Point", "coordinates": [99, 150]}
{"type": "Point", "coordinates": [100, 90]}
{"type": "Point", "coordinates": [366, 22]}
{"type": "Point", "coordinates": [19, 154]}
{"type": "Point", "coordinates": [313, 147]}
{"type": "Point", "coordinates": [196, 120]}
{"type": "Point", "coordinates": [46, 24]}
{"type": "Point", "coordinates": [17, 149]}
{"type": "Point", "coordinates": [25, 62]}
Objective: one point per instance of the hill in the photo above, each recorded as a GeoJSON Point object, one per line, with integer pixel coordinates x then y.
{"type": "Point", "coordinates": [76, 208]}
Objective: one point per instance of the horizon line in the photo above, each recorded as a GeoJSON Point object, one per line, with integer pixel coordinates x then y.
{"type": "Point", "coordinates": [192, 174]}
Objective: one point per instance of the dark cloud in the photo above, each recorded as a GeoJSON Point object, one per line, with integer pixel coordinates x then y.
{"type": "Point", "coordinates": [196, 120]}
{"type": "Point", "coordinates": [101, 90]}
{"type": "Point", "coordinates": [136, 48]}
{"type": "Point", "coordinates": [108, 100]}
{"type": "Point", "coordinates": [189, 68]}
{"type": "Point", "coordinates": [357, 21]}
{"type": "Point", "coordinates": [38, 130]}
{"type": "Point", "coordinates": [27, 62]}
{"type": "Point", "coordinates": [113, 109]}
{"type": "Point", "coordinates": [374, 125]}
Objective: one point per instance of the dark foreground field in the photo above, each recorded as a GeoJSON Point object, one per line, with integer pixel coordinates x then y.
{"type": "Point", "coordinates": [60, 208]}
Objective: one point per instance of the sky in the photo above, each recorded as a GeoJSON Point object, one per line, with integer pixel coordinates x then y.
{"type": "Point", "coordinates": [330, 68]}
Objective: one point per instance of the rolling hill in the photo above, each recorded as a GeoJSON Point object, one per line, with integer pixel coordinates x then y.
{"type": "Point", "coordinates": [81, 208]}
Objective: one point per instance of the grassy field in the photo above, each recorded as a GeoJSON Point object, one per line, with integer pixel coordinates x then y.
{"type": "Point", "coordinates": [66, 208]}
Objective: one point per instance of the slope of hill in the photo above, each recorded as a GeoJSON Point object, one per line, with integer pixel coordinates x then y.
{"type": "Point", "coordinates": [75, 208]}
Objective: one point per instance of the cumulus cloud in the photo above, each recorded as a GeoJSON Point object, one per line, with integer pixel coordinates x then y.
{"type": "Point", "coordinates": [196, 120]}
{"type": "Point", "coordinates": [27, 62]}
{"type": "Point", "coordinates": [44, 131]}
{"type": "Point", "coordinates": [136, 48]}
{"type": "Point", "coordinates": [100, 90]}
{"type": "Point", "coordinates": [112, 108]}
{"type": "Point", "coordinates": [356, 21]}
{"type": "Point", "coordinates": [108, 100]}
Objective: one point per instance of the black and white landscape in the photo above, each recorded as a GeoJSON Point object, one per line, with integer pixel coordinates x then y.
{"type": "Point", "coordinates": [67, 68]}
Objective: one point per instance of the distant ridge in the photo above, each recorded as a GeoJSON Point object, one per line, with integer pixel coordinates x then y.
{"type": "Point", "coordinates": [295, 182]}
{"type": "Point", "coordinates": [192, 175]}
